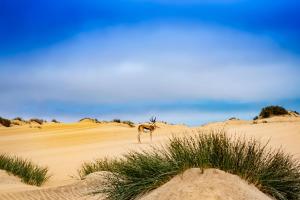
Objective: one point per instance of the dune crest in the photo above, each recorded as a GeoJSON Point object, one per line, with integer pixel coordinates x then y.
{"type": "Point", "coordinates": [213, 184]}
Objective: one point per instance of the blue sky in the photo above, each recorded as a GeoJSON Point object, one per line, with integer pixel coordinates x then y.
{"type": "Point", "coordinates": [182, 61]}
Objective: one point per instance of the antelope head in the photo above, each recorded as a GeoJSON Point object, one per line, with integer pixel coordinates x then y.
{"type": "Point", "coordinates": [153, 121]}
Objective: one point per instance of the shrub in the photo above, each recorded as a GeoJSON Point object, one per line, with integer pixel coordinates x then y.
{"type": "Point", "coordinates": [84, 119]}
{"type": "Point", "coordinates": [233, 118]}
{"type": "Point", "coordinates": [136, 173]}
{"type": "Point", "coordinates": [296, 112]}
{"type": "Point", "coordinates": [116, 120]}
{"type": "Point", "coordinates": [5, 122]}
{"type": "Point", "coordinates": [29, 172]}
{"type": "Point", "coordinates": [19, 119]}
{"type": "Point", "coordinates": [39, 121]}
{"type": "Point", "coordinates": [272, 111]}
{"type": "Point", "coordinates": [129, 123]}
{"type": "Point", "coordinates": [55, 121]}
{"type": "Point", "coordinates": [87, 118]}
{"type": "Point", "coordinates": [255, 118]}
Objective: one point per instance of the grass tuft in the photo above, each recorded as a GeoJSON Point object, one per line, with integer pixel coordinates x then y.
{"type": "Point", "coordinates": [136, 173]}
{"type": "Point", "coordinates": [29, 172]}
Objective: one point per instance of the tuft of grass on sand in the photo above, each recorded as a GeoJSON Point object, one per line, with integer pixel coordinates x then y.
{"type": "Point", "coordinates": [29, 172]}
{"type": "Point", "coordinates": [136, 173]}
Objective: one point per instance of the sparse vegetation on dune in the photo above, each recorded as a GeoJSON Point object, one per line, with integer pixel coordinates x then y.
{"type": "Point", "coordinates": [136, 173]}
{"type": "Point", "coordinates": [39, 121]}
{"type": "Point", "coordinates": [55, 121]}
{"type": "Point", "coordinates": [90, 119]}
{"type": "Point", "coordinates": [5, 122]}
{"type": "Point", "coordinates": [116, 120]}
{"type": "Point", "coordinates": [29, 172]}
{"type": "Point", "coordinates": [233, 118]}
{"type": "Point", "coordinates": [272, 111]}
{"type": "Point", "coordinates": [129, 123]}
{"type": "Point", "coordinates": [19, 119]}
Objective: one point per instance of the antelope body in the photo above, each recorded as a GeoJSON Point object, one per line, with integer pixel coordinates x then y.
{"type": "Point", "coordinates": [143, 128]}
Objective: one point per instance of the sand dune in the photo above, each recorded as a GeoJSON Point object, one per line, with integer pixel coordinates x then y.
{"type": "Point", "coordinates": [64, 147]}
{"type": "Point", "coordinates": [213, 184]}
{"type": "Point", "coordinates": [10, 183]}
{"type": "Point", "coordinates": [193, 184]}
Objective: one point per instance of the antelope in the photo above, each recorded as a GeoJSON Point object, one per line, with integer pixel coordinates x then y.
{"type": "Point", "coordinates": [147, 127]}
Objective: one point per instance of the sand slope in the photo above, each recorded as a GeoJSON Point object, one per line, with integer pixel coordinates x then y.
{"type": "Point", "coordinates": [213, 184]}
{"type": "Point", "coordinates": [10, 183]}
{"type": "Point", "coordinates": [64, 147]}
{"type": "Point", "coordinates": [80, 190]}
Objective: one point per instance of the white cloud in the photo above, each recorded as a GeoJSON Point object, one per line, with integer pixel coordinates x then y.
{"type": "Point", "coordinates": [154, 62]}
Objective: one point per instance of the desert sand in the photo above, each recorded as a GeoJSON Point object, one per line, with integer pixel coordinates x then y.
{"type": "Point", "coordinates": [213, 184]}
{"type": "Point", "coordinates": [64, 147]}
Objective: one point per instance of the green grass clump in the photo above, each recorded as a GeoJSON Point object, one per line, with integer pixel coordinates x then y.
{"type": "Point", "coordinates": [98, 165]}
{"type": "Point", "coordinates": [136, 173]}
{"type": "Point", "coordinates": [5, 122]}
{"type": "Point", "coordinates": [272, 111]}
{"type": "Point", "coordinates": [29, 172]}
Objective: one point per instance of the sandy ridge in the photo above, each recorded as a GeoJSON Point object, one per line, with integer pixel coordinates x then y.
{"type": "Point", "coordinates": [80, 190]}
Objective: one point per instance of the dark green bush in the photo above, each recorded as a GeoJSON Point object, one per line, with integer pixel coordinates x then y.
{"type": "Point", "coordinates": [18, 118]}
{"type": "Point", "coordinates": [272, 111]}
{"type": "Point", "coordinates": [39, 121]}
{"type": "Point", "coordinates": [94, 120]}
{"type": "Point", "coordinates": [233, 118]}
{"type": "Point", "coordinates": [116, 120]}
{"type": "Point", "coordinates": [129, 123]}
{"type": "Point", "coordinates": [255, 118]}
{"type": "Point", "coordinates": [136, 173]}
{"type": "Point", "coordinates": [29, 172]}
{"type": "Point", "coordinates": [55, 121]}
{"type": "Point", "coordinates": [5, 122]}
